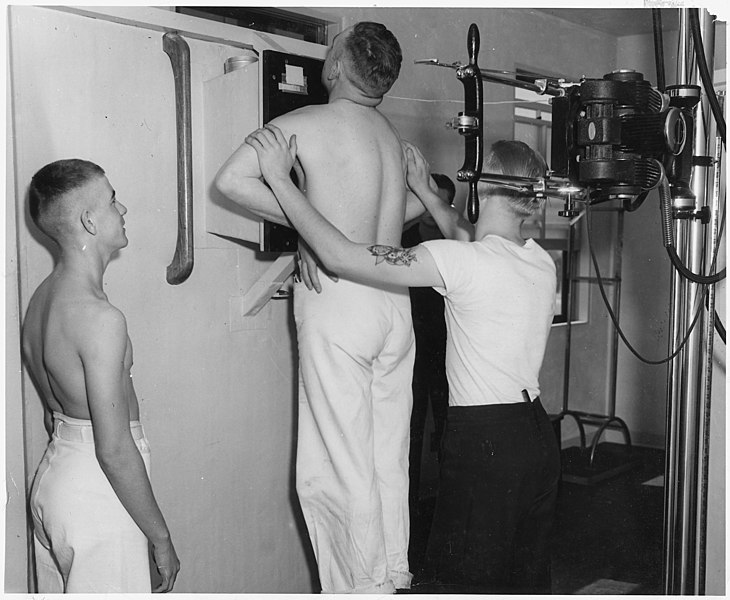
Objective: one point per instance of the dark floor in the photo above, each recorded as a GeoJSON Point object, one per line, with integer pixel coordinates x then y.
{"type": "Point", "coordinates": [609, 530]}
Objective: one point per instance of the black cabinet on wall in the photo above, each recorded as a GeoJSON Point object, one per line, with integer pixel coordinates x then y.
{"type": "Point", "coordinates": [289, 82]}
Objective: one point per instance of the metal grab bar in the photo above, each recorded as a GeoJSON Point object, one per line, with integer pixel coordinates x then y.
{"type": "Point", "coordinates": [182, 262]}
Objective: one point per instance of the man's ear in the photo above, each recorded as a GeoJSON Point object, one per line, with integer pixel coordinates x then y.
{"type": "Point", "coordinates": [88, 222]}
{"type": "Point", "coordinates": [334, 70]}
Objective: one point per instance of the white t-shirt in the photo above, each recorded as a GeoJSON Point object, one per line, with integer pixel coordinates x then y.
{"type": "Point", "coordinates": [499, 305]}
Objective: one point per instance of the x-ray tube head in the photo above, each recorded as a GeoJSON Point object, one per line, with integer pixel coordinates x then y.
{"type": "Point", "coordinates": [608, 134]}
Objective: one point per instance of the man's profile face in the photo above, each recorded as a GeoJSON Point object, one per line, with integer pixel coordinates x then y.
{"type": "Point", "coordinates": [107, 211]}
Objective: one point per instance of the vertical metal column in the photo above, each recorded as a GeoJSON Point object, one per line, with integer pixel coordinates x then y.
{"type": "Point", "coordinates": [617, 266]}
{"type": "Point", "coordinates": [687, 406]}
{"type": "Point", "coordinates": [706, 384]}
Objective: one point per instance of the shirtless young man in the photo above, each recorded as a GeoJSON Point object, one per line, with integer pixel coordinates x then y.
{"type": "Point", "coordinates": [92, 504]}
{"type": "Point", "coordinates": [356, 343]}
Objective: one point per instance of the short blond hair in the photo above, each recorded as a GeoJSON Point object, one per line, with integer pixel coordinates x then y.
{"type": "Point", "coordinates": [517, 159]}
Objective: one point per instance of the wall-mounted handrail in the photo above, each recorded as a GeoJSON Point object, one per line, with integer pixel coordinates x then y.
{"type": "Point", "coordinates": [182, 263]}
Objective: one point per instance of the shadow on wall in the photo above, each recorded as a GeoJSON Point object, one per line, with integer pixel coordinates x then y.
{"type": "Point", "coordinates": [293, 498]}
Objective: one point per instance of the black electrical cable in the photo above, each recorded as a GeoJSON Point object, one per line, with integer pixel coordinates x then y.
{"type": "Point", "coordinates": [665, 206]}
{"type": "Point", "coordinates": [719, 327]}
{"type": "Point", "coordinates": [632, 205]}
{"type": "Point", "coordinates": [611, 314]}
{"type": "Point", "coordinates": [693, 277]}
{"type": "Point", "coordinates": [658, 48]}
{"type": "Point", "coordinates": [694, 26]}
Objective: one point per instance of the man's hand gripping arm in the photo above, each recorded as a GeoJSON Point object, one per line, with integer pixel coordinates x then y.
{"type": "Point", "coordinates": [239, 179]}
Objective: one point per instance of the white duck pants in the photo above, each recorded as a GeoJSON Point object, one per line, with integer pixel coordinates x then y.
{"type": "Point", "coordinates": [356, 351]}
{"type": "Point", "coordinates": [85, 540]}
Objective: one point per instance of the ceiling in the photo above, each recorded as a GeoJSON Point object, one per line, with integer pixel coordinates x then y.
{"type": "Point", "coordinates": [617, 21]}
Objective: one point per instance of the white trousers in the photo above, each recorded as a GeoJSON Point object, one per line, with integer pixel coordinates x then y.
{"type": "Point", "coordinates": [356, 351]}
{"type": "Point", "coordinates": [85, 540]}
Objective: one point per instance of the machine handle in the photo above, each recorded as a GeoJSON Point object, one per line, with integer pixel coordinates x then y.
{"type": "Point", "coordinates": [471, 78]}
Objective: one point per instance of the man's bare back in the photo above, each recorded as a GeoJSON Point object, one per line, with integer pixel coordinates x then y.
{"type": "Point", "coordinates": [353, 162]}
{"type": "Point", "coordinates": [351, 155]}
{"type": "Point", "coordinates": [63, 324]}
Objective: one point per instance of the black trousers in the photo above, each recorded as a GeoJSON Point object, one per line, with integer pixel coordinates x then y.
{"type": "Point", "coordinates": [496, 503]}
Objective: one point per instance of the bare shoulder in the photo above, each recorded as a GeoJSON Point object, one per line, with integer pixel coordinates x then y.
{"type": "Point", "coordinates": [302, 120]}
{"type": "Point", "coordinates": [106, 315]}
{"type": "Point", "coordinates": [104, 326]}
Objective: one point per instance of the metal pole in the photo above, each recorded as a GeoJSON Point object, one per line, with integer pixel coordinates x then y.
{"type": "Point", "coordinates": [569, 320]}
{"type": "Point", "coordinates": [684, 556]}
{"type": "Point", "coordinates": [672, 478]}
{"type": "Point", "coordinates": [712, 192]}
{"type": "Point", "coordinates": [702, 356]}
{"type": "Point", "coordinates": [706, 385]}
{"type": "Point", "coordinates": [617, 258]}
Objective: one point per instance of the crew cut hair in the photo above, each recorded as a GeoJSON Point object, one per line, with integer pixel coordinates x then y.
{"type": "Point", "coordinates": [375, 57]}
{"type": "Point", "coordinates": [517, 159]}
{"type": "Point", "coordinates": [50, 185]}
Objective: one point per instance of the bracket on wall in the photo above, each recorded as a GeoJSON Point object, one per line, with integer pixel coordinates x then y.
{"type": "Point", "coordinates": [268, 283]}
{"type": "Point", "coordinates": [179, 52]}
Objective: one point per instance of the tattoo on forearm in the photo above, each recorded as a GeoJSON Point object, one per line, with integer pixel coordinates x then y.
{"type": "Point", "coordinates": [394, 256]}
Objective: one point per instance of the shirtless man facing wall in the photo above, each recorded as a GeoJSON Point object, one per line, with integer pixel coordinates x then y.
{"type": "Point", "coordinates": [92, 504]}
{"type": "Point", "coordinates": [356, 343]}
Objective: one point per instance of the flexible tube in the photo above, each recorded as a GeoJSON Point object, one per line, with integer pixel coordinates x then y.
{"type": "Point", "coordinates": [694, 26]}
{"type": "Point", "coordinates": [665, 205]}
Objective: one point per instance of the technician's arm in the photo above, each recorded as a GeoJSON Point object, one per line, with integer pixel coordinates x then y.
{"type": "Point", "coordinates": [308, 264]}
{"type": "Point", "coordinates": [367, 263]}
{"type": "Point", "coordinates": [108, 386]}
{"type": "Point", "coordinates": [414, 209]}
{"type": "Point", "coordinates": [451, 223]}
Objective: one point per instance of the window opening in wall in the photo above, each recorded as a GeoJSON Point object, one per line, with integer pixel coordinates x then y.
{"type": "Point", "coordinates": [269, 20]}
{"type": "Point", "coordinates": [533, 125]}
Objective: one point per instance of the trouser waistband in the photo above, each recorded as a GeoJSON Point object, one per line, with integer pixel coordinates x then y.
{"type": "Point", "coordinates": [492, 413]}
{"type": "Point", "coordinates": [80, 430]}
